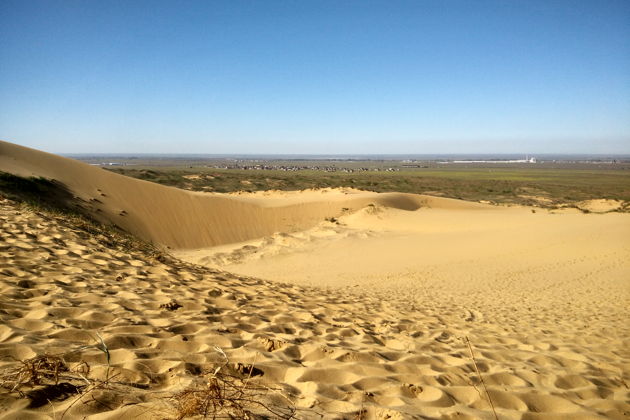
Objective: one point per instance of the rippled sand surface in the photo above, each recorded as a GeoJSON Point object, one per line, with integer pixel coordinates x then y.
{"type": "Point", "coordinates": [395, 307]}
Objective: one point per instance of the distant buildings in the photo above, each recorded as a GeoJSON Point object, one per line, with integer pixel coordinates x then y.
{"type": "Point", "coordinates": [526, 160]}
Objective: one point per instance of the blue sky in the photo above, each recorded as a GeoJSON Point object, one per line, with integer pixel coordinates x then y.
{"type": "Point", "coordinates": [316, 76]}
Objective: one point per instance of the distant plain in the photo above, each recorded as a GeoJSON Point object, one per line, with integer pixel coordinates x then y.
{"type": "Point", "coordinates": [547, 184]}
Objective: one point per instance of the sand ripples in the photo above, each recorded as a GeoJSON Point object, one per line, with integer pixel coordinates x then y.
{"type": "Point", "coordinates": [332, 351]}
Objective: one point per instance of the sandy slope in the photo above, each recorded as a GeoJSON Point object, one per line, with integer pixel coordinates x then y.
{"type": "Point", "coordinates": [544, 296]}
{"type": "Point", "coordinates": [456, 245]}
{"type": "Point", "coordinates": [184, 219]}
{"type": "Point", "coordinates": [368, 313]}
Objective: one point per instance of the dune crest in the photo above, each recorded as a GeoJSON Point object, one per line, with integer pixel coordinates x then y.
{"type": "Point", "coordinates": [182, 219]}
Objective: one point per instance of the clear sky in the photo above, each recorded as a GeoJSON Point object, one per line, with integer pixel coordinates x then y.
{"type": "Point", "coordinates": [316, 76]}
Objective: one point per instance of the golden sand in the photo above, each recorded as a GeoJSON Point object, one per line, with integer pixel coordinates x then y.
{"type": "Point", "coordinates": [366, 312]}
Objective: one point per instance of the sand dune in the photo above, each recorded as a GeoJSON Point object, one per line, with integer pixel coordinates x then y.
{"type": "Point", "coordinates": [454, 244]}
{"type": "Point", "coordinates": [184, 219]}
{"type": "Point", "coordinates": [373, 315]}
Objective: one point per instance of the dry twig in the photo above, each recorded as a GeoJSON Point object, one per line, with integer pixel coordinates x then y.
{"type": "Point", "coordinates": [223, 395]}
{"type": "Point", "coordinates": [472, 355]}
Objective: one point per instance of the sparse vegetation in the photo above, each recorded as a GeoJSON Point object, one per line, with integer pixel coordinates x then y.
{"type": "Point", "coordinates": [171, 306]}
{"type": "Point", "coordinates": [216, 392]}
{"type": "Point", "coordinates": [221, 395]}
{"type": "Point", "coordinates": [38, 370]}
{"type": "Point", "coordinates": [541, 186]}
{"type": "Point", "coordinates": [49, 377]}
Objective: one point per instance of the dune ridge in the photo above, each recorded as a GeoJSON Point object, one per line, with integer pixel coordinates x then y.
{"type": "Point", "coordinates": [182, 219]}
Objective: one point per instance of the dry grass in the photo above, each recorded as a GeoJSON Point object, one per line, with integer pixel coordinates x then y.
{"type": "Point", "coordinates": [40, 370]}
{"type": "Point", "coordinates": [48, 377]}
{"type": "Point", "coordinates": [565, 185]}
{"type": "Point", "coordinates": [218, 394]}
{"type": "Point", "coordinates": [483, 383]}
{"type": "Point", "coordinates": [362, 414]}
{"type": "Point", "coordinates": [171, 306]}
{"type": "Point", "coordinates": [224, 392]}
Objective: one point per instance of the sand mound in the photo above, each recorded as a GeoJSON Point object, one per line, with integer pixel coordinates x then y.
{"type": "Point", "coordinates": [183, 219]}
{"type": "Point", "coordinates": [457, 246]}
{"type": "Point", "coordinates": [600, 206]}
